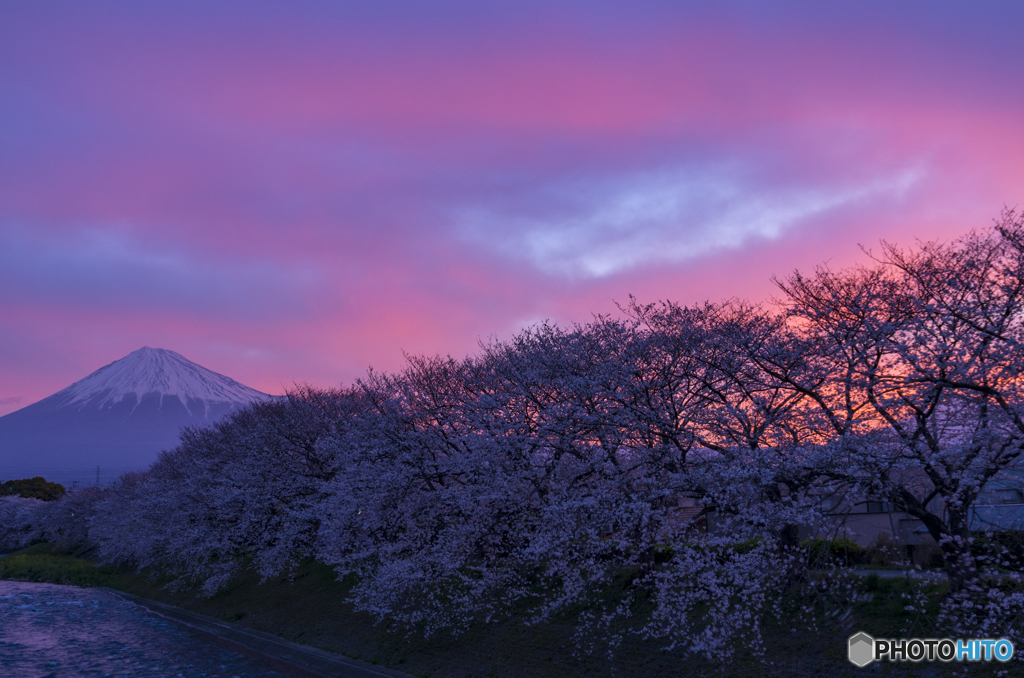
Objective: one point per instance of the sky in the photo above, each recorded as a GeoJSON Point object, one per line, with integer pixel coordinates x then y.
{"type": "Point", "coordinates": [294, 192]}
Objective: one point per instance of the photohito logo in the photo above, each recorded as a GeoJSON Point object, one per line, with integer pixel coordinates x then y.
{"type": "Point", "coordinates": [863, 649]}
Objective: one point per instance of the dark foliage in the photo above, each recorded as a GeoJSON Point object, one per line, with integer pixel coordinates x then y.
{"type": "Point", "coordinates": [32, 488]}
{"type": "Point", "coordinates": [1003, 549]}
{"type": "Point", "coordinates": [824, 552]}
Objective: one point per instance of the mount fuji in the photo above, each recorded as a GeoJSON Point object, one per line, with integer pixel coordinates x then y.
{"type": "Point", "coordinates": [117, 419]}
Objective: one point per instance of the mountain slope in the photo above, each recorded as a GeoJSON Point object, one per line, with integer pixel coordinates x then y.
{"type": "Point", "coordinates": [118, 418]}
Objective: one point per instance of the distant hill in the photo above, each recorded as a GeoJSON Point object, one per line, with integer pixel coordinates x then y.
{"type": "Point", "coordinates": [118, 418]}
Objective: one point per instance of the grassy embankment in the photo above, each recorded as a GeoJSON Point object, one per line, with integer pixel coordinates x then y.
{"type": "Point", "coordinates": [310, 608]}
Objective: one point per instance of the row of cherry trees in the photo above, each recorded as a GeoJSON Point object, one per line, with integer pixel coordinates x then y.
{"type": "Point", "coordinates": [544, 469]}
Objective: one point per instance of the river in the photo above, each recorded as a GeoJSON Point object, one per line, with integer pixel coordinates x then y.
{"type": "Point", "coordinates": [51, 631]}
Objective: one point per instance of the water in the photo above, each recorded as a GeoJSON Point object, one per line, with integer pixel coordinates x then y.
{"type": "Point", "coordinates": [50, 631]}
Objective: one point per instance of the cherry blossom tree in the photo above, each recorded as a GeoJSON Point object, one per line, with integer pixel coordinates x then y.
{"type": "Point", "coordinates": [18, 521]}
{"type": "Point", "coordinates": [923, 349]}
{"type": "Point", "coordinates": [548, 470]}
{"type": "Point", "coordinates": [65, 522]}
{"type": "Point", "coordinates": [539, 472]}
{"type": "Point", "coordinates": [243, 488]}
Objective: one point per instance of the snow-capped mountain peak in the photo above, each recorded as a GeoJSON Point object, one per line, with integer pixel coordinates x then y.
{"type": "Point", "coordinates": [156, 370]}
{"type": "Point", "coordinates": [117, 419]}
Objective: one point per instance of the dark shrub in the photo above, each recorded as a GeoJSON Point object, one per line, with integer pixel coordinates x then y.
{"type": "Point", "coordinates": [1002, 549]}
{"type": "Point", "coordinates": [32, 488]}
{"type": "Point", "coordinates": [843, 551]}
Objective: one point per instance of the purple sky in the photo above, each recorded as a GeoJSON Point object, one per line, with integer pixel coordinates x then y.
{"type": "Point", "coordinates": [293, 192]}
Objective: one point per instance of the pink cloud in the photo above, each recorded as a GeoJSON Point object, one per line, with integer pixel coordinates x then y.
{"type": "Point", "coordinates": [283, 196]}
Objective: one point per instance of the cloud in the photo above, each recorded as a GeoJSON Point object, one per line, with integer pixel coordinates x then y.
{"type": "Point", "coordinates": [10, 401]}
{"type": "Point", "coordinates": [597, 228]}
{"type": "Point", "coordinates": [112, 267]}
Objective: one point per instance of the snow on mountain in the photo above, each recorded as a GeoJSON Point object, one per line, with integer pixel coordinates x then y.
{"type": "Point", "coordinates": [117, 419]}
{"type": "Point", "coordinates": [157, 370]}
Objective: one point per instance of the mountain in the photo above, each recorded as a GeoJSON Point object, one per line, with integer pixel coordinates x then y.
{"type": "Point", "coordinates": [117, 419]}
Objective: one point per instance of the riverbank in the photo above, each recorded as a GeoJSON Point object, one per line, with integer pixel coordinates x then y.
{"type": "Point", "coordinates": [58, 631]}
{"type": "Point", "coordinates": [309, 607]}
{"type": "Point", "coordinates": [291, 659]}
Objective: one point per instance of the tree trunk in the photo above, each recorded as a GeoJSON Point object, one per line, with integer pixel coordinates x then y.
{"type": "Point", "coordinates": [952, 536]}
{"type": "Point", "coordinates": [961, 567]}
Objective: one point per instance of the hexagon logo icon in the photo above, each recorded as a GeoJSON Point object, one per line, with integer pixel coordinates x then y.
{"type": "Point", "coordinates": [862, 649]}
